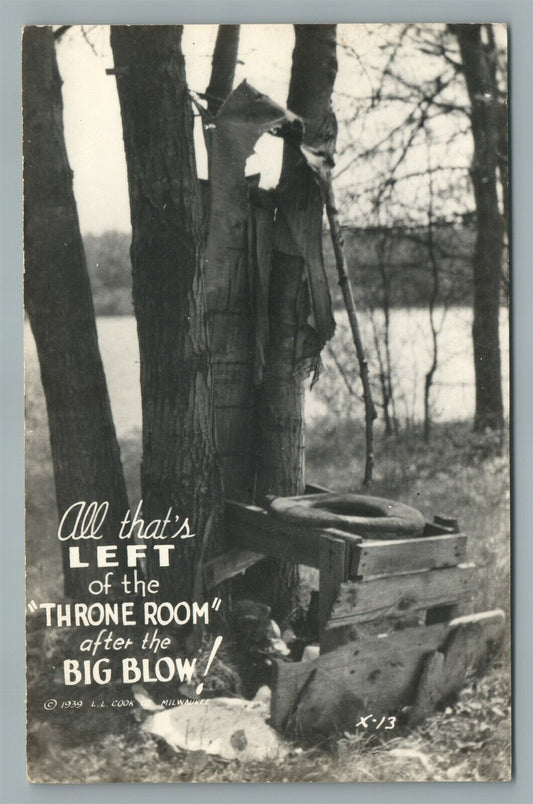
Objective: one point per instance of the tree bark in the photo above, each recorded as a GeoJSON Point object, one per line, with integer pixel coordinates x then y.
{"type": "Point", "coordinates": [179, 467]}
{"type": "Point", "coordinates": [223, 67]}
{"type": "Point", "coordinates": [85, 452]}
{"type": "Point", "coordinates": [298, 290]}
{"type": "Point", "coordinates": [480, 77]}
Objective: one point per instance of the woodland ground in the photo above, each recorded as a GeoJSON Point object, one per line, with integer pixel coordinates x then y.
{"type": "Point", "coordinates": [458, 473]}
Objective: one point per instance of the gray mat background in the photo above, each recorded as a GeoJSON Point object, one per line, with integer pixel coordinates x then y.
{"type": "Point", "coordinates": [13, 15]}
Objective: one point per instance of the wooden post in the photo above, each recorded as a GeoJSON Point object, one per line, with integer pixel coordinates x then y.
{"type": "Point", "coordinates": [332, 573]}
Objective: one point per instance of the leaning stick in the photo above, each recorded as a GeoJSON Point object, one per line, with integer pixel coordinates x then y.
{"type": "Point", "coordinates": [347, 293]}
{"type": "Point", "coordinates": [320, 164]}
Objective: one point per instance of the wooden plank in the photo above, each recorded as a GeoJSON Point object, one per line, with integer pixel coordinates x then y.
{"type": "Point", "coordinates": [332, 558]}
{"type": "Point", "coordinates": [446, 521]}
{"type": "Point", "coordinates": [400, 595]}
{"type": "Point", "coordinates": [394, 660]}
{"type": "Point", "coordinates": [312, 488]}
{"type": "Point", "coordinates": [251, 528]}
{"type": "Point", "coordinates": [428, 691]}
{"type": "Point", "coordinates": [383, 672]}
{"type": "Point", "coordinates": [227, 565]}
{"type": "Point", "coordinates": [392, 557]}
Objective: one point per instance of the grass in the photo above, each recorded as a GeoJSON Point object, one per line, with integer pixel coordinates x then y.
{"type": "Point", "coordinates": [458, 473]}
{"type": "Point", "coordinates": [470, 741]}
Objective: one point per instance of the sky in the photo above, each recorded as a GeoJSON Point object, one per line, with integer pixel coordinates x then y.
{"type": "Point", "coordinates": [93, 129]}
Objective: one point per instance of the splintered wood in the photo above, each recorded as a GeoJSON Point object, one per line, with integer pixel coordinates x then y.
{"type": "Point", "coordinates": [410, 555]}
{"type": "Point", "coordinates": [379, 597]}
{"type": "Point", "coordinates": [383, 673]}
{"type": "Point", "coordinates": [389, 632]}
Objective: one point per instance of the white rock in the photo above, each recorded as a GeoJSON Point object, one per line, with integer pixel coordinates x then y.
{"type": "Point", "coordinates": [280, 647]}
{"type": "Point", "coordinates": [261, 702]}
{"type": "Point", "coordinates": [144, 700]}
{"type": "Point", "coordinates": [228, 727]}
{"type": "Point", "coordinates": [264, 694]}
{"type": "Point", "coordinates": [273, 630]}
{"type": "Point", "coordinates": [311, 653]}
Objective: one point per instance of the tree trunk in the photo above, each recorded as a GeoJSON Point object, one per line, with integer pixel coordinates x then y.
{"type": "Point", "coordinates": [85, 452]}
{"type": "Point", "coordinates": [432, 303]}
{"type": "Point", "coordinates": [223, 67]}
{"type": "Point", "coordinates": [480, 80]}
{"type": "Point", "coordinates": [179, 467]}
{"type": "Point", "coordinates": [298, 291]}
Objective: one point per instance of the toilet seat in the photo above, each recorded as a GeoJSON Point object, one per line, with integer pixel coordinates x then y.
{"type": "Point", "coordinates": [373, 517]}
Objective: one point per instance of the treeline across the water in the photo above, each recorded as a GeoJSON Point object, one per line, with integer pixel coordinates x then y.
{"type": "Point", "coordinates": [109, 266]}
{"type": "Point", "coordinates": [395, 267]}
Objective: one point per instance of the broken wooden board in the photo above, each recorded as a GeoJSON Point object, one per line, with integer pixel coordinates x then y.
{"type": "Point", "coordinates": [249, 527]}
{"type": "Point", "coordinates": [332, 559]}
{"type": "Point", "coordinates": [227, 565]}
{"type": "Point", "coordinates": [393, 660]}
{"type": "Point", "coordinates": [380, 673]}
{"type": "Point", "coordinates": [400, 595]}
{"type": "Point", "coordinates": [409, 555]}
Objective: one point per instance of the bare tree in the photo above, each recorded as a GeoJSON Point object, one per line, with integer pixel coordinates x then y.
{"type": "Point", "coordinates": [433, 298]}
{"type": "Point", "coordinates": [297, 267]}
{"type": "Point", "coordinates": [179, 465]}
{"type": "Point", "coordinates": [479, 65]}
{"type": "Point", "coordinates": [264, 276]}
{"type": "Point", "coordinates": [85, 452]}
{"type": "Point", "coordinates": [223, 67]}
{"type": "Point", "coordinates": [382, 345]}
{"type": "Point", "coordinates": [390, 157]}
{"type": "Point", "coordinates": [298, 287]}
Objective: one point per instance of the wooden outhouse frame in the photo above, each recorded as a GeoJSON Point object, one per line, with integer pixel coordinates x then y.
{"type": "Point", "coordinates": [395, 620]}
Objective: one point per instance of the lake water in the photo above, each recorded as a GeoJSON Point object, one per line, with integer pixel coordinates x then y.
{"type": "Point", "coordinates": [453, 395]}
{"type": "Point", "coordinates": [453, 392]}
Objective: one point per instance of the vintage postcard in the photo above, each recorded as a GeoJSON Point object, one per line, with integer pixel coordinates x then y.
{"type": "Point", "coordinates": [267, 403]}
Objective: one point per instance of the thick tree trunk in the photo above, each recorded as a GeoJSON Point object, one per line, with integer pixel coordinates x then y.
{"type": "Point", "coordinates": [59, 304]}
{"type": "Point", "coordinates": [487, 265]}
{"type": "Point", "coordinates": [229, 313]}
{"type": "Point", "coordinates": [178, 467]}
{"type": "Point", "coordinates": [296, 290]}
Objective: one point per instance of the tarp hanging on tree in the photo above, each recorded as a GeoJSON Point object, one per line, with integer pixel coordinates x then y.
{"type": "Point", "coordinates": [299, 235]}
{"type": "Point", "coordinates": [239, 250]}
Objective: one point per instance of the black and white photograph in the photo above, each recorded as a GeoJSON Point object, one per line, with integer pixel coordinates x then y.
{"type": "Point", "coordinates": [267, 408]}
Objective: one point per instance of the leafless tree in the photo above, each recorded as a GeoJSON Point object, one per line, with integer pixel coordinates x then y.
{"type": "Point", "coordinates": [85, 451]}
